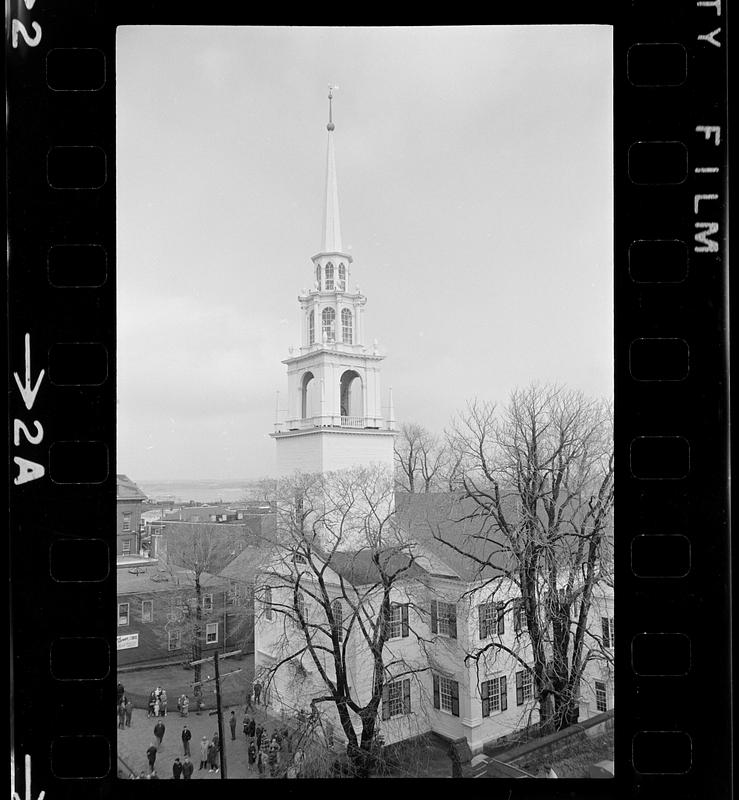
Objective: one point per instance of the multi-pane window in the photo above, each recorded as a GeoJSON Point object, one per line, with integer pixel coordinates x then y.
{"type": "Point", "coordinates": [519, 615]}
{"type": "Point", "coordinates": [607, 627]}
{"type": "Point", "coordinates": [329, 277]}
{"type": "Point", "coordinates": [147, 610]}
{"type": "Point", "coordinates": [311, 327]}
{"type": "Point", "coordinates": [328, 320]}
{"type": "Point", "coordinates": [601, 696]}
{"type": "Point", "coordinates": [211, 633]}
{"type": "Point", "coordinates": [342, 277]}
{"type": "Point", "coordinates": [126, 547]}
{"type": "Point", "coordinates": [446, 694]}
{"type": "Point", "coordinates": [444, 618]}
{"type": "Point", "coordinates": [174, 639]}
{"type": "Point", "coordinates": [346, 325]}
{"type": "Point", "coordinates": [267, 599]}
{"type": "Point", "coordinates": [398, 620]}
{"type": "Point", "coordinates": [396, 699]}
{"type": "Point", "coordinates": [123, 614]}
{"type": "Point", "coordinates": [127, 521]}
{"type": "Point", "coordinates": [524, 686]}
{"type": "Point", "coordinates": [337, 611]}
{"type": "Point", "coordinates": [207, 602]}
{"type": "Point", "coordinates": [494, 693]}
{"type": "Point", "coordinates": [491, 617]}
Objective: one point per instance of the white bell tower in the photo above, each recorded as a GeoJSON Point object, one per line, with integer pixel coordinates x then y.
{"type": "Point", "coordinates": [334, 417]}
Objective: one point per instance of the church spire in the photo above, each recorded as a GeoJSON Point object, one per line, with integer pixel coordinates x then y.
{"type": "Point", "coordinates": [331, 225]}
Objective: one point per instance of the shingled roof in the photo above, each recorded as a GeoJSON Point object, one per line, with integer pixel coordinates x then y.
{"type": "Point", "coordinates": [445, 523]}
{"type": "Point", "coordinates": [126, 489]}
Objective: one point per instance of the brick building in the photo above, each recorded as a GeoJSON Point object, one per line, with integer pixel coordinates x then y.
{"type": "Point", "coordinates": [129, 502]}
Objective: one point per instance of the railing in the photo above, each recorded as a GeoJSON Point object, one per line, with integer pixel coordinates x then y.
{"type": "Point", "coordinates": [331, 421]}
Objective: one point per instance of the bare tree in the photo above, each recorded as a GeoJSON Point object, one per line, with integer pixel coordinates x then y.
{"type": "Point", "coordinates": [538, 478]}
{"type": "Point", "coordinates": [264, 489]}
{"type": "Point", "coordinates": [338, 567]}
{"type": "Point", "coordinates": [194, 554]}
{"type": "Point", "coordinates": [420, 458]}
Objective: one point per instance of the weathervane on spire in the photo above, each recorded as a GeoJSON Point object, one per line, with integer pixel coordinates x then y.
{"type": "Point", "coordinates": [331, 90]}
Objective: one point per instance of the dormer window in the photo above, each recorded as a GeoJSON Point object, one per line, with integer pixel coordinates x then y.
{"type": "Point", "coordinates": [346, 326]}
{"type": "Point", "coordinates": [329, 277]}
{"type": "Point", "coordinates": [342, 277]}
{"type": "Point", "coordinates": [328, 321]}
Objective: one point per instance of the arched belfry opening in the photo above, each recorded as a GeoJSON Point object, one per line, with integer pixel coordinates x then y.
{"type": "Point", "coordinates": [307, 399]}
{"type": "Point", "coordinates": [351, 394]}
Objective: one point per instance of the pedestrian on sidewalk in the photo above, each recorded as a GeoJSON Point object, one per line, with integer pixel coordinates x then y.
{"type": "Point", "coordinates": [151, 703]}
{"type": "Point", "coordinates": [186, 736]}
{"type": "Point", "coordinates": [185, 706]}
{"type": "Point", "coordinates": [187, 768]}
{"type": "Point", "coordinates": [252, 754]}
{"type": "Point", "coordinates": [245, 726]}
{"type": "Point", "coordinates": [252, 728]}
{"type": "Point", "coordinates": [120, 691]}
{"type": "Point", "coordinates": [151, 756]}
{"type": "Point", "coordinates": [262, 759]}
{"type": "Point", "coordinates": [177, 769]}
{"type": "Point", "coordinates": [122, 714]}
{"type": "Point", "coordinates": [163, 703]}
{"type": "Point", "coordinates": [247, 703]}
{"type": "Point", "coordinates": [257, 691]}
{"type": "Point", "coordinates": [159, 732]}
{"type": "Point", "coordinates": [211, 759]}
{"type": "Point", "coordinates": [216, 740]}
{"type": "Point", "coordinates": [203, 752]}
{"type": "Point", "coordinates": [129, 712]}
{"type": "Point", "coordinates": [259, 733]}
{"type": "Point", "coordinates": [274, 759]}
{"type": "Point", "coordinates": [232, 725]}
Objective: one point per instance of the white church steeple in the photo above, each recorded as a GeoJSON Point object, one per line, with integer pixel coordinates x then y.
{"type": "Point", "coordinates": [334, 417]}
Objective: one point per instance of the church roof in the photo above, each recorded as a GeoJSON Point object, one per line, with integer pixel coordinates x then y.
{"type": "Point", "coordinates": [126, 489]}
{"type": "Point", "coordinates": [451, 527]}
{"type": "Point", "coordinates": [359, 567]}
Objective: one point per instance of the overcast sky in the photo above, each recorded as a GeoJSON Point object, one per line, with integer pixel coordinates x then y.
{"type": "Point", "coordinates": [475, 187]}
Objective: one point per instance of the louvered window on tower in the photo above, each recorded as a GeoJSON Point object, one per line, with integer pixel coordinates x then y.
{"type": "Point", "coordinates": [329, 277]}
{"type": "Point", "coordinates": [328, 320]}
{"type": "Point", "coordinates": [342, 277]}
{"type": "Point", "coordinates": [311, 327]}
{"type": "Point", "coordinates": [318, 277]}
{"type": "Point", "coordinates": [346, 326]}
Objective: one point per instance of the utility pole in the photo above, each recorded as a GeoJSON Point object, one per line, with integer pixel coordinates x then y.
{"type": "Point", "coordinates": [217, 678]}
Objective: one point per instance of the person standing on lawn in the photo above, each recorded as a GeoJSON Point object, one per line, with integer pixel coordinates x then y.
{"type": "Point", "coordinates": [186, 736]}
{"type": "Point", "coordinates": [151, 756]}
{"type": "Point", "coordinates": [159, 732]}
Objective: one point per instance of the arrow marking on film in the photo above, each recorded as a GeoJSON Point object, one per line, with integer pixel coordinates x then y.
{"type": "Point", "coordinates": [28, 390]}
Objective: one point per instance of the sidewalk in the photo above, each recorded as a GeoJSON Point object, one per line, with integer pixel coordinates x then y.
{"type": "Point", "coordinates": [134, 741]}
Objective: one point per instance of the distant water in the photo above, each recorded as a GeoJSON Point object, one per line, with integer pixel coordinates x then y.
{"type": "Point", "coordinates": [202, 491]}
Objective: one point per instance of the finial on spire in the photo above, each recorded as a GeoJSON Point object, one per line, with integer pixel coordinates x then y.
{"type": "Point", "coordinates": [331, 89]}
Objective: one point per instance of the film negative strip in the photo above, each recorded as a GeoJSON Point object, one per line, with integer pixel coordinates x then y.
{"type": "Point", "coordinates": [671, 371]}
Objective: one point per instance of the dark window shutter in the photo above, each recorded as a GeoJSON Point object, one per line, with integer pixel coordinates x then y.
{"type": "Point", "coordinates": [517, 616]}
{"type": "Point", "coordinates": [501, 618]}
{"type": "Point", "coordinates": [407, 696]}
{"type": "Point", "coordinates": [386, 701]}
{"type": "Point", "coordinates": [452, 621]}
{"type": "Point", "coordinates": [485, 694]}
{"type": "Point", "coordinates": [519, 688]}
{"type": "Point", "coordinates": [437, 702]}
{"type": "Point", "coordinates": [404, 610]}
{"type": "Point", "coordinates": [455, 698]}
{"type": "Point", "coordinates": [503, 694]}
{"type": "Point", "coordinates": [481, 620]}
{"type": "Point", "coordinates": [434, 612]}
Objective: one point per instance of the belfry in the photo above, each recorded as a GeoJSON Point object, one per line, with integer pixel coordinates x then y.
{"type": "Point", "coordinates": [334, 417]}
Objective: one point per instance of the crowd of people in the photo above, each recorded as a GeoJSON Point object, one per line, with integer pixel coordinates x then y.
{"type": "Point", "coordinates": [269, 753]}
